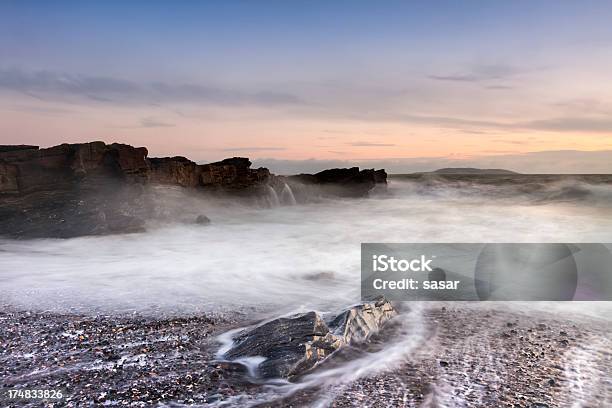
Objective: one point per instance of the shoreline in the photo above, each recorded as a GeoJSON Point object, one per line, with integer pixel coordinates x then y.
{"type": "Point", "coordinates": [467, 356]}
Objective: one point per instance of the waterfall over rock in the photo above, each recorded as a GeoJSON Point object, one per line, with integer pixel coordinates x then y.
{"type": "Point", "coordinates": [272, 197]}
{"type": "Point", "coordinates": [287, 196]}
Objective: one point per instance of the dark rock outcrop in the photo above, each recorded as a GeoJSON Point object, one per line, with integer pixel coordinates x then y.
{"type": "Point", "coordinates": [229, 175]}
{"type": "Point", "coordinates": [13, 148]}
{"type": "Point", "coordinates": [202, 220]}
{"type": "Point", "coordinates": [27, 168]}
{"type": "Point", "coordinates": [293, 345]}
{"type": "Point", "coordinates": [350, 182]}
{"type": "Point", "coordinates": [232, 174]}
{"type": "Point", "coordinates": [98, 188]}
{"type": "Point", "coordinates": [71, 189]}
{"type": "Point", "coordinates": [174, 170]}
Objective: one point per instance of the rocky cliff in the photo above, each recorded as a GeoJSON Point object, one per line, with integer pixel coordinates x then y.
{"type": "Point", "coordinates": [28, 168]}
{"type": "Point", "coordinates": [97, 188]}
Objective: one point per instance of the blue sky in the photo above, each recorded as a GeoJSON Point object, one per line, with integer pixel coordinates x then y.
{"type": "Point", "coordinates": [340, 80]}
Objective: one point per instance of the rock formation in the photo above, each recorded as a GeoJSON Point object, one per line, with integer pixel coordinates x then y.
{"type": "Point", "coordinates": [229, 175]}
{"type": "Point", "coordinates": [24, 169]}
{"type": "Point", "coordinates": [232, 174]}
{"type": "Point", "coordinates": [350, 182]}
{"type": "Point", "coordinates": [292, 345]}
{"type": "Point", "coordinates": [98, 188]}
{"type": "Point", "coordinates": [174, 170]}
{"type": "Point", "coordinates": [71, 189]}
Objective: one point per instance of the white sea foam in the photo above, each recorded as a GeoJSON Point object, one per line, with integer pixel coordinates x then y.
{"type": "Point", "coordinates": [280, 258]}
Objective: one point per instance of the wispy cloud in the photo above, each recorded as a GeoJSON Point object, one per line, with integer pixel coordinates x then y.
{"type": "Point", "coordinates": [585, 106]}
{"type": "Point", "coordinates": [514, 142]}
{"type": "Point", "coordinates": [594, 124]}
{"type": "Point", "coordinates": [154, 123]}
{"type": "Point", "coordinates": [57, 85]}
{"type": "Point", "coordinates": [44, 110]}
{"type": "Point", "coordinates": [253, 149]}
{"type": "Point", "coordinates": [499, 87]}
{"type": "Point", "coordinates": [480, 73]}
{"type": "Point", "coordinates": [52, 87]}
{"type": "Point", "coordinates": [370, 144]}
{"type": "Point", "coordinates": [474, 132]}
{"type": "Point", "coordinates": [571, 124]}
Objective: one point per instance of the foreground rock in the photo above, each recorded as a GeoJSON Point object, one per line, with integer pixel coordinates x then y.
{"type": "Point", "coordinates": [292, 345]}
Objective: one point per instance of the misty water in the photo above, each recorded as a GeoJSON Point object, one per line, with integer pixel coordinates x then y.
{"type": "Point", "coordinates": [279, 256]}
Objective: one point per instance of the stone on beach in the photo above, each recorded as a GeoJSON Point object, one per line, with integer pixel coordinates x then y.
{"type": "Point", "coordinates": [202, 220]}
{"type": "Point", "coordinates": [292, 345]}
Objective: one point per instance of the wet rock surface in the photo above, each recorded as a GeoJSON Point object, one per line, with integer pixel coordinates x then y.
{"type": "Point", "coordinates": [359, 322]}
{"type": "Point", "coordinates": [293, 345]}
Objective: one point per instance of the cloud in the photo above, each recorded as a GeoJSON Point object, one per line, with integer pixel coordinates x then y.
{"type": "Point", "coordinates": [585, 106]}
{"type": "Point", "coordinates": [515, 142]}
{"type": "Point", "coordinates": [44, 110]}
{"type": "Point", "coordinates": [154, 123]}
{"type": "Point", "coordinates": [55, 86]}
{"type": "Point", "coordinates": [499, 87]}
{"type": "Point", "coordinates": [558, 124]}
{"type": "Point", "coordinates": [572, 124]}
{"type": "Point", "coordinates": [480, 73]}
{"type": "Point", "coordinates": [370, 144]}
{"type": "Point", "coordinates": [474, 132]}
{"type": "Point", "coordinates": [64, 86]}
{"type": "Point", "coordinates": [253, 149]}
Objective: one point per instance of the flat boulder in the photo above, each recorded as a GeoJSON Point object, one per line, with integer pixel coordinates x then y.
{"type": "Point", "coordinates": [292, 345]}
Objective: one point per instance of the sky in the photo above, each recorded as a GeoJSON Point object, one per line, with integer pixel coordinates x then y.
{"type": "Point", "coordinates": [525, 85]}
